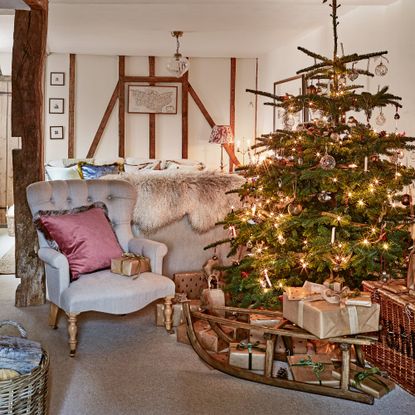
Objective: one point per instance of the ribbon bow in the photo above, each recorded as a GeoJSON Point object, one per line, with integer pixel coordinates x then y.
{"type": "Point", "coordinates": [317, 367]}
{"type": "Point", "coordinates": [132, 255]}
{"type": "Point", "coordinates": [333, 297]}
{"type": "Point", "coordinates": [370, 373]}
{"type": "Point", "coordinates": [257, 345]}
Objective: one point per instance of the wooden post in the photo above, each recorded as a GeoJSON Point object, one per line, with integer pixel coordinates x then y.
{"type": "Point", "coordinates": [185, 116]}
{"type": "Point", "coordinates": [152, 117]}
{"type": "Point", "coordinates": [71, 121]}
{"type": "Point", "coordinates": [29, 51]}
{"type": "Point", "coordinates": [345, 374]}
{"type": "Point", "coordinates": [232, 109]}
{"type": "Point", "coordinates": [121, 106]}
{"type": "Point", "coordinates": [269, 353]}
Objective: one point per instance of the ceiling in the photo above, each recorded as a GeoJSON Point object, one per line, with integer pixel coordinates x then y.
{"type": "Point", "coordinates": [212, 28]}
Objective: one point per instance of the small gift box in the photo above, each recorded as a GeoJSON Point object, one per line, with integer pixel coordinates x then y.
{"type": "Point", "coordinates": [368, 380]}
{"type": "Point", "coordinates": [247, 355]}
{"type": "Point", "coordinates": [326, 320]}
{"type": "Point", "coordinates": [261, 320]}
{"type": "Point", "coordinates": [362, 300]}
{"type": "Point", "coordinates": [334, 283]}
{"type": "Point", "coordinates": [190, 283]}
{"type": "Point", "coordinates": [130, 265]}
{"type": "Point", "coordinates": [210, 340]}
{"type": "Point", "coordinates": [316, 369]}
{"type": "Point", "coordinates": [177, 316]}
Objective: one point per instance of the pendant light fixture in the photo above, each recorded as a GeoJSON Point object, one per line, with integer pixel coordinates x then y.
{"type": "Point", "coordinates": [178, 65]}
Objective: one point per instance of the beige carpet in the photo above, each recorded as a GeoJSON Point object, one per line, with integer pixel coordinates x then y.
{"type": "Point", "coordinates": [7, 262]}
{"type": "Point", "coordinates": [128, 366]}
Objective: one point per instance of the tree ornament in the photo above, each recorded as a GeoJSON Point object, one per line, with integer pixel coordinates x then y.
{"type": "Point", "coordinates": [327, 162]}
{"type": "Point", "coordinates": [249, 245]}
{"type": "Point", "coordinates": [352, 122]}
{"type": "Point", "coordinates": [381, 69]}
{"type": "Point", "coordinates": [311, 89]}
{"type": "Point", "coordinates": [384, 276]}
{"type": "Point", "coordinates": [335, 136]}
{"type": "Point", "coordinates": [294, 209]}
{"type": "Point", "coordinates": [232, 232]}
{"type": "Point", "coordinates": [380, 119]}
{"type": "Point", "coordinates": [396, 116]}
{"type": "Point", "coordinates": [300, 161]}
{"type": "Point", "coordinates": [244, 274]}
{"type": "Point", "coordinates": [374, 158]}
{"type": "Point", "coordinates": [406, 199]}
{"type": "Point", "coordinates": [353, 74]}
{"type": "Point", "coordinates": [289, 120]}
{"type": "Point", "coordinates": [324, 196]}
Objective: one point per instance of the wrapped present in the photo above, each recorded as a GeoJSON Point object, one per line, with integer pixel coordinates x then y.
{"type": "Point", "coordinates": [190, 283]}
{"type": "Point", "coordinates": [247, 355]}
{"type": "Point", "coordinates": [301, 293]}
{"type": "Point", "coordinates": [130, 265]}
{"type": "Point", "coordinates": [326, 320]}
{"type": "Point", "coordinates": [210, 340]}
{"type": "Point", "coordinates": [367, 380]}
{"type": "Point", "coordinates": [211, 298]}
{"type": "Point", "coordinates": [362, 300]}
{"type": "Point", "coordinates": [177, 316]}
{"type": "Point", "coordinates": [181, 330]}
{"type": "Point", "coordinates": [334, 283]}
{"type": "Point", "coordinates": [261, 320]}
{"type": "Point", "coordinates": [316, 369]}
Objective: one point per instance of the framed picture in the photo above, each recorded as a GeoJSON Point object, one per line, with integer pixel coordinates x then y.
{"type": "Point", "coordinates": [57, 78]}
{"type": "Point", "coordinates": [145, 99]}
{"type": "Point", "coordinates": [56, 132]}
{"type": "Point", "coordinates": [296, 85]}
{"type": "Point", "coordinates": [56, 105]}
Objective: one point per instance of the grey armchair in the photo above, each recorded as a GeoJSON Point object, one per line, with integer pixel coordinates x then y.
{"type": "Point", "coordinates": [102, 290]}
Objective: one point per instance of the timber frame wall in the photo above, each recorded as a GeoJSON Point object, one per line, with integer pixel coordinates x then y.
{"type": "Point", "coordinates": [151, 79]}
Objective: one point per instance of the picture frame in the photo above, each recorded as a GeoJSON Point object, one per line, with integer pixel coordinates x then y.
{"type": "Point", "coordinates": [147, 99]}
{"type": "Point", "coordinates": [57, 79]}
{"type": "Point", "coordinates": [56, 132]}
{"type": "Point", "coordinates": [294, 85]}
{"type": "Point", "coordinates": [56, 105]}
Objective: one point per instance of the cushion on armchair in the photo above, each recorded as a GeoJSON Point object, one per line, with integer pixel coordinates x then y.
{"type": "Point", "coordinates": [89, 171]}
{"type": "Point", "coordinates": [84, 235]}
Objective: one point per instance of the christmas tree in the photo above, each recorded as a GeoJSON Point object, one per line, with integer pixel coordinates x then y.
{"type": "Point", "coordinates": [330, 199]}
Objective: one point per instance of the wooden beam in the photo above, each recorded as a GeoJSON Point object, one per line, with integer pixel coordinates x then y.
{"type": "Point", "coordinates": [121, 106]}
{"type": "Point", "coordinates": [202, 108]}
{"type": "Point", "coordinates": [185, 116]}
{"type": "Point", "coordinates": [232, 109]}
{"type": "Point", "coordinates": [71, 121]}
{"type": "Point", "coordinates": [104, 121]}
{"type": "Point", "coordinates": [29, 52]}
{"type": "Point", "coordinates": [153, 79]}
{"type": "Point", "coordinates": [37, 4]}
{"type": "Point", "coordinates": [152, 117]}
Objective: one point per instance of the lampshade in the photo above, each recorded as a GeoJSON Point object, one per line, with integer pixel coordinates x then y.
{"type": "Point", "coordinates": [221, 134]}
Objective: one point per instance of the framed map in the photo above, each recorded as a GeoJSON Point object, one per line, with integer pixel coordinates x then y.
{"type": "Point", "coordinates": [145, 99]}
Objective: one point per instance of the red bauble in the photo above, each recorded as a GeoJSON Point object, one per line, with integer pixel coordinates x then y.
{"type": "Point", "coordinates": [244, 274]}
{"type": "Point", "coordinates": [406, 199]}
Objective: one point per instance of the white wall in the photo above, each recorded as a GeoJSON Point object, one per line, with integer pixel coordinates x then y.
{"type": "Point", "coordinates": [365, 29]}
{"type": "Point", "coordinates": [6, 63]}
{"type": "Point", "coordinates": [96, 77]}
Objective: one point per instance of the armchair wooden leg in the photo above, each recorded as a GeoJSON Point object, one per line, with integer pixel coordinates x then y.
{"type": "Point", "coordinates": [72, 331]}
{"type": "Point", "coordinates": [53, 316]}
{"type": "Point", "coordinates": [168, 312]}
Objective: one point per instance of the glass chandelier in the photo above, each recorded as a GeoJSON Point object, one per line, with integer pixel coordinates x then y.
{"type": "Point", "coordinates": [178, 65]}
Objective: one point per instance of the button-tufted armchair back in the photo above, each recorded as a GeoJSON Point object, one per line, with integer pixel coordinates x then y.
{"type": "Point", "coordinates": [119, 196]}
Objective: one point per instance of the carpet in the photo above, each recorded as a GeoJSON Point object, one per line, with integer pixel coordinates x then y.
{"type": "Point", "coordinates": [7, 262]}
{"type": "Point", "coordinates": [125, 365]}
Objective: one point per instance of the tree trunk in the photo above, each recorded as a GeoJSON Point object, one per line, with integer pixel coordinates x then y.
{"type": "Point", "coordinates": [29, 51]}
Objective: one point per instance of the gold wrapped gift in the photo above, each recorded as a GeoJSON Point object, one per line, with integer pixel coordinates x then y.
{"type": "Point", "coordinates": [177, 316]}
{"type": "Point", "coordinates": [247, 356]}
{"type": "Point", "coordinates": [130, 265]}
{"type": "Point", "coordinates": [334, 283]}
{"type": "Point", "coordinates": [326, 320]}
{"type": "Point", "coordinates": [316, 369]}
{"type": "Point", "coordinates": [367, 380]}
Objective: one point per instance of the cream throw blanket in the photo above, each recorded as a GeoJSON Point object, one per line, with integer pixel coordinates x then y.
{"type": "Point", "coordinates": [164, 197]}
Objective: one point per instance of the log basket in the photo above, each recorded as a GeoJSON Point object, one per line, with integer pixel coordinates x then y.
{"type": "Point", "coordinates": [25, 394]}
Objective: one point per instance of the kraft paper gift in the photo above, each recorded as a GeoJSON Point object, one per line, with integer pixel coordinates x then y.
{"type": "Point", "coordinates": [177, 316]}
{"type": "Point", "coordinates": [316, 369]}
{"type": "Point", "coordinates": [326, 320]}
{"type": "Point", "coordinates": [261, 320]}
{"type": "Point", "coordinates": [130, 265]}
{"type": "Point", "coordinates": [367, 381]}
{"type": "Point", "coordinates": [241, 356]}
{"type": "Point", "coordinates": [190, 283]}
{"type": "Point", "coordinates": [209, 340]}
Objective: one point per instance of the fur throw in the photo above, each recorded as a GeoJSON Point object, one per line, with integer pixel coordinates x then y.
{"type": "Point", "coordinates": [165, 197]}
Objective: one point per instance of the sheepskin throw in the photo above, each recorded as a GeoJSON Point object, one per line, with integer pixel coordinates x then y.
{"type": "Point", "coordinates": [165, 197]}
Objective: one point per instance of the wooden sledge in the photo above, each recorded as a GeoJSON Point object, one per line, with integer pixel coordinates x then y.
{"type": "Point", "coordinates": [270, 334]}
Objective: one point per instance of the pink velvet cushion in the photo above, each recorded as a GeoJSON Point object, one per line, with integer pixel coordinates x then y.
{"type": "Point", "coordinates": [85, 238]}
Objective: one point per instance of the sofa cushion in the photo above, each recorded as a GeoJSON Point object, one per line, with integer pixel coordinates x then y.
{"type": "Point", "coordinates": [62, 173]}
{"type": "Point", "coordinates": [85, 237]}
{"type": "Point", "coordinates": [89, 171]}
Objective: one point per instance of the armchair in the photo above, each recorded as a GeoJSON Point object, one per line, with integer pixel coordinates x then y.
{"type": "Point", "coordinates": [101, 290]}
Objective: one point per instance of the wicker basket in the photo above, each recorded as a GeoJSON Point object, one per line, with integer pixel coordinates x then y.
{"type": "Point", "coordinates": [395, 351]}
{"type": "Point", "coordinates": [26, 394]}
